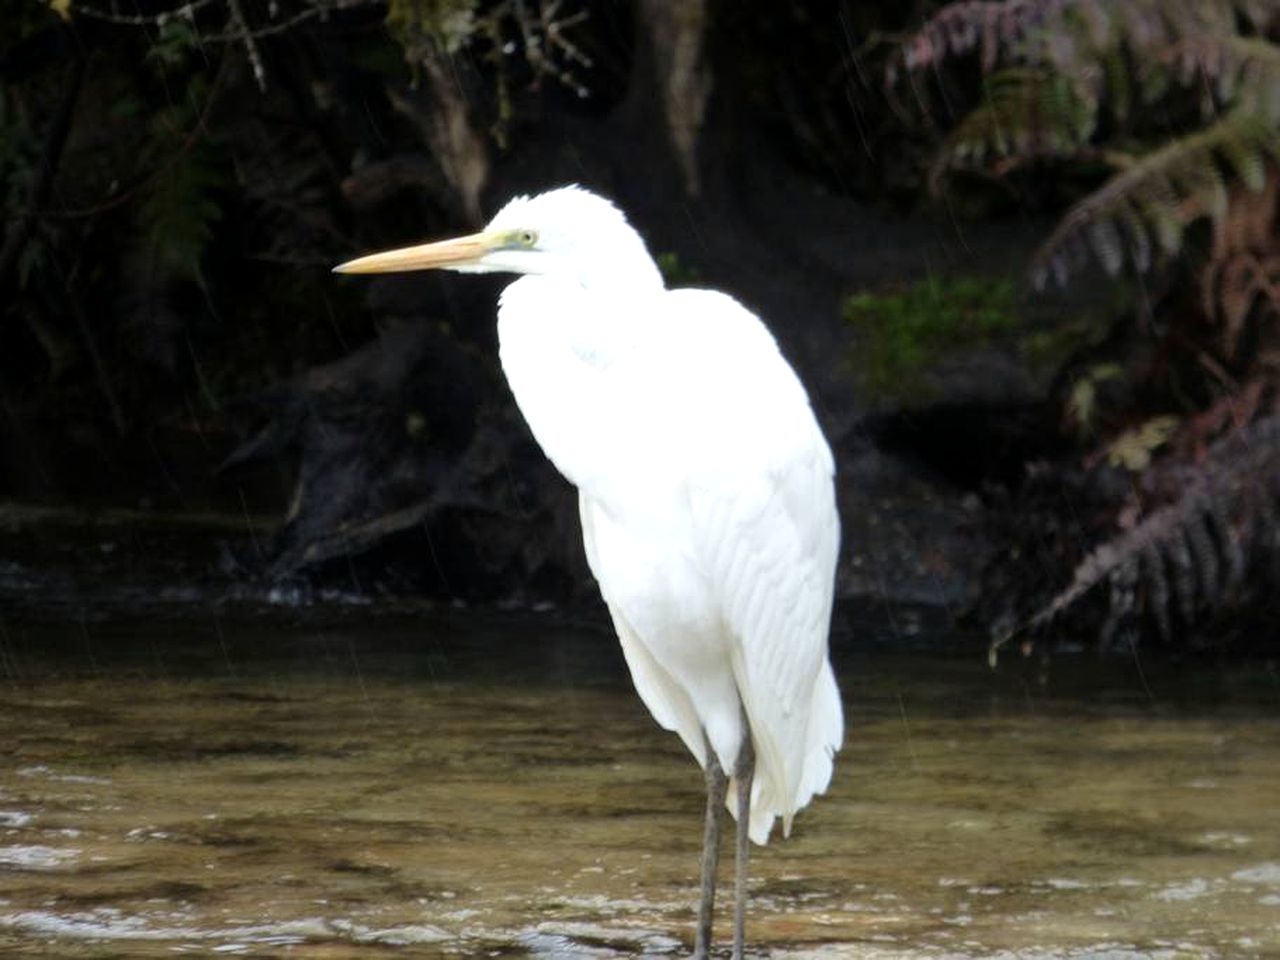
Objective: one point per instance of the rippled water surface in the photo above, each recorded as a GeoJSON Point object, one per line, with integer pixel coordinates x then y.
{"type": "Point", "coordinates": [400, 787]}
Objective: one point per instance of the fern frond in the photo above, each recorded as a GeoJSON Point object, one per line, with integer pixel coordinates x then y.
{"type": "Point", "coordinates": [1027, 113]}
{"type": "Point", "coordinates": [1069, 32]}
{"type": "Point", "coordinates": [179, 211]}
{"type": "Point", "coordinates": [1150, 204]}
{"type": "Point", "coordinates": [991, 27]}
{"type": "Point", "coordinates": [1244, 260]}
{"type": "Point", "coordinates": [1233, 71]}
{"type": "Point", "coordinates": [1231, 289]}
{"type": "Point", "coordinates": [1192, 555]}
{"type": "Point", "coordinates": [1242, 271]}
{"type": "Point", "coordinates": [179, 208]}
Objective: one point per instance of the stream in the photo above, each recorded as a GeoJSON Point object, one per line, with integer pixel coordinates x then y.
{"type": "Point", "coordinates": [449, 782]}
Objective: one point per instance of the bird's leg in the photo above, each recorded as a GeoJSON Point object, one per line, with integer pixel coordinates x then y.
{"type": "Point", "coordinates": [717, 784]}
{"type": "Point", "coordinates": [744, 772]}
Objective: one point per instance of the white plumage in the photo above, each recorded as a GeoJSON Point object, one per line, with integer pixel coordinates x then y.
{"type": "Point", "coordinates": [705, 483]}
{"type": "Point", "coordinates": [707, 514]}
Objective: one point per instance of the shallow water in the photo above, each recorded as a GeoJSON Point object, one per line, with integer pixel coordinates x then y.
{"type": "Point", "coordinates": [399, 787]}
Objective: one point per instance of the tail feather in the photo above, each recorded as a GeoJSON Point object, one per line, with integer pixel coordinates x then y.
{"type": "Point", "coordinates": [826, 734]}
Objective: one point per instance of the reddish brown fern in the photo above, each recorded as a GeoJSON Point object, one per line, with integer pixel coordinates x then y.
{"type": "Point", "coordinates": [1241, 278]}
{"type": "Point", "coordinates": [1198, 553]}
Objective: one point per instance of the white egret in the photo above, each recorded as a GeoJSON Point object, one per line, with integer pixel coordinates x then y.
{"type": "Point", "coordinates": [706, 494]}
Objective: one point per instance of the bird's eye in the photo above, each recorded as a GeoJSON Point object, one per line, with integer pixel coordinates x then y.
{"type": "Point", "coordinates": [527, 238]}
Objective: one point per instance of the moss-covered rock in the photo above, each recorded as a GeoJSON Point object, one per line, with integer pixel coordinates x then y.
{"type": "Point", "coordinates": [903, 331]}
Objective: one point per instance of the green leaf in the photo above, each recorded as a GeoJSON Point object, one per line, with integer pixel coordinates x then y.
{"type": "Point", "coordinates": [176, 39]}
{"type": "Point", "coordinates": [179, 211]}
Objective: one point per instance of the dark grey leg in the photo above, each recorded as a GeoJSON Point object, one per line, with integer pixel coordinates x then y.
{"type": "Point", "coordinates": [744, 771]}
{"type": "Point", "coordinates": [717, 784]}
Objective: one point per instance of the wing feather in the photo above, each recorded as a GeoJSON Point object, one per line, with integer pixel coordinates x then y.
{"type": "Point", "coordinates": [766, 528]}
{"type": "Point", "coordinates": [775, 567]}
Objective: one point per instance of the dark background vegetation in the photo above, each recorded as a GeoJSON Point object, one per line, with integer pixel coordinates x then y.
{"type": "Point", "coordinates": [1023, 253]}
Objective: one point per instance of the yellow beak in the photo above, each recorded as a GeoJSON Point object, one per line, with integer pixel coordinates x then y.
{"type": "Point", "coordinates": [427, 256]}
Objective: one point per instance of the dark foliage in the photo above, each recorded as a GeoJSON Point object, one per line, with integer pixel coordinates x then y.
{"type": "Point", "coordinates": [168, 248]}
{"type": "Point", "coordinates": [1212, 547]}
{"type": "Point", "coordinates": [178, 180]}
{"type": "Point", "coordinates": [1169, 116]}
{"type": "Point", "coordinates": [400, 449]}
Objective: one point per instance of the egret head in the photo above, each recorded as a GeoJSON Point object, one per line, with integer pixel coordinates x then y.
{"type": "Point", "coordinates": [569, 232]}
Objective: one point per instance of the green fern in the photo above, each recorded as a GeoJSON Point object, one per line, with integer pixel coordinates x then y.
{"type": "Point", "coordinates": [1051, 67]}
{"type": "Point", "coordinates": [1232, 72]}
{"type": "Point", "coordinates": [1142, 213]}
{"type": "Point", "coordinates": [179, 211]}
{"type": "Point", "coordinates": [179, 208]}
{"type": "Point", "coordinates": [1182, 99]}
{"type": "Point", "coordinates": [1026, 113]}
